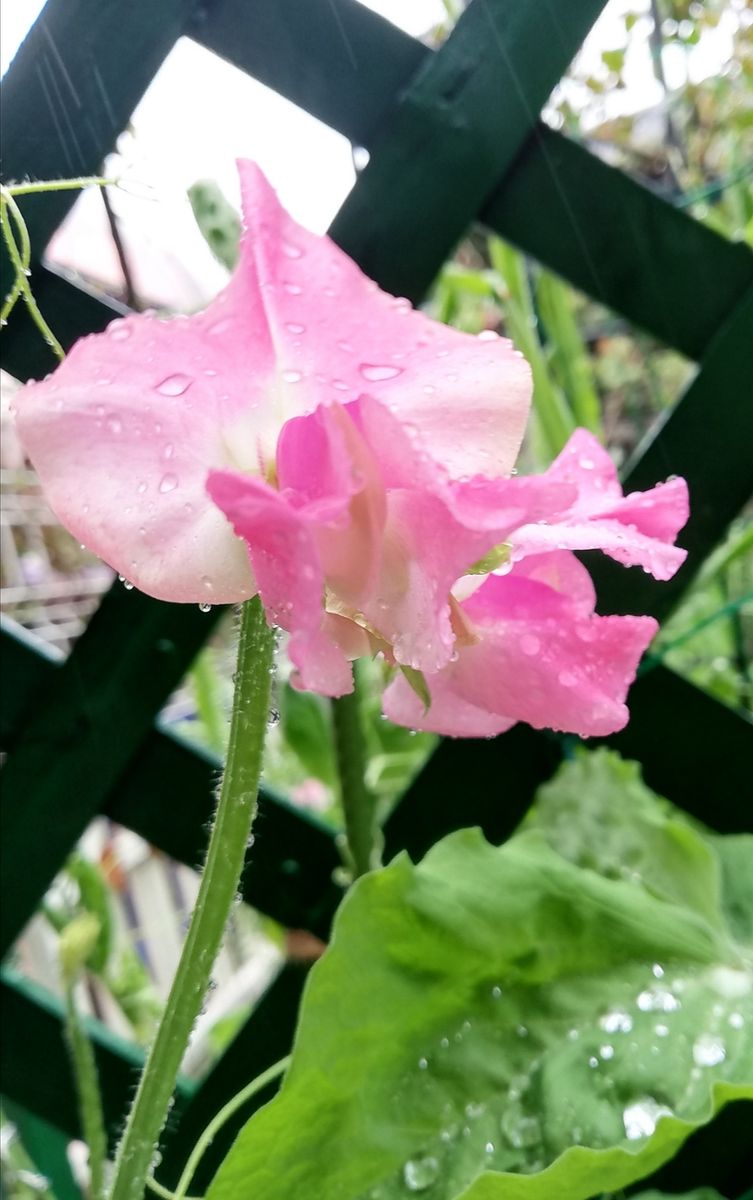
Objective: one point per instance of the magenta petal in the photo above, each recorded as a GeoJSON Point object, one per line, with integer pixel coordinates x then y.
{"type": "Point", "coordinates": [280, 545]}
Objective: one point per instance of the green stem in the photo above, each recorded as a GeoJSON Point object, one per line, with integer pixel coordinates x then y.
{"type": "Point", "coordinates": [227, 847]}
{"type": "Point", "coordinates": [22, 281]}
{"type": "Point", "coordinates": [58, 185]}
{"type": "Point", "coordinates": [359, 806]}
{"type": "Point", "coordinates": [89, 1098]}
{"type": "Point", "coordinates": [203, 678]}
{"type": "Point", "coordinates": [217, 1122]}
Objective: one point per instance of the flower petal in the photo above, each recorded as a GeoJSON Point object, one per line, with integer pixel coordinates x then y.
{"type": "Point", "coordinates": [542, 656]}
{"type": "Point", "coordinates": [337, 335]}
{"type": "Point", "coordinates": [636, 530]}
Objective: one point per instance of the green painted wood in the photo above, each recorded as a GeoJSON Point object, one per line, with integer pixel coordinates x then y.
{"type": "Point", "coordinates": [72, 88]}
{"type": "Point", "coordinates": [46, 1146]}
{"type": "Point", "coordinates": [38, 1075]}
{"type": "Point", "coordinates": [491, 783]}
{"type": "Point", "coordinates": [461, 121]}
{"type": "Point", "coordinates": [264, 1039]}
{"type": "Point", "coordinates": [166, 794]}
{"type": "Point", "coordinates": [96, 713]}
{"type": "Point", "coordinates": [334, 58]}
{"type": "Point", "coordinates": [619, 242]}
{"type": "Point", "coordinates": [708, 439]}
{"type": "Point", "coordinates": [571, 227]}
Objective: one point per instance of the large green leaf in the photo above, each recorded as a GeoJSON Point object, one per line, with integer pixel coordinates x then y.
{"type": "Point", "coordinates": [516, 1023]}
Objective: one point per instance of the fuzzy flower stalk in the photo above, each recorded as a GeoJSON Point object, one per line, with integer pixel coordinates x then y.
{"type": "Point", "coordinates": [313, 440]}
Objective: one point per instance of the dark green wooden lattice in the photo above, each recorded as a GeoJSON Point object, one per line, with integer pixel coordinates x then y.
{"type": "Point", "coordinates": [454, 136]}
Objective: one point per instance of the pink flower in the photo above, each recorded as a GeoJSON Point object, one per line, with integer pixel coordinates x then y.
{"type": "Point", "coordinates": [530, 647]}
{"type": "Point", "coordinates": [315, 439]}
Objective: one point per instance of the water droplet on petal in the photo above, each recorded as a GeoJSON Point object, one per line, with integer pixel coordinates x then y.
{"type": "Point", "coordinates": [118, 331]}
{"type": "Point", "coordinates": [420, 1173]}
{"type": "Point", "coordinates": [168, 483]}
{"type": "Point", "coordinates": [567, 679]}
{"type": "Point", "coordinates": [141, 488]}
{"type": "Point", "coordinates": [291, 251]}
{"type": "Point", "coordinates": [292, 376]}
{"type": "Point", "coordinates": [488, 335]}
{"type": "Point", "coordinates": [174, 385]}
{"type": "Point", "coordinates": [376, 373]}
{"type": "Point", "coordinates": [423, 1064]}
{"type": "Point", "coordinates": [530, 644]}
{"type": "Point", "coordinates": [293, 289]}
{"type": "Point", "coordinates": [114, 424]}
{"type": "Point", "coordinates": [205, 607]}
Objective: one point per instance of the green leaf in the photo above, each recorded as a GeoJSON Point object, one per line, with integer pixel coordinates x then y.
{"type": "Point", "coordinates": [614, 60]}
{"type": "Point", "coordinates": [417, 681]}
{"type": "Point", "coordinates": [218, 221]}
{"type": "Point", "coordinates": [496, 557]}
{"type": "Point", "coordinates": [306, 727]}
{"type": "Point", "coordinates": [515, 1023]}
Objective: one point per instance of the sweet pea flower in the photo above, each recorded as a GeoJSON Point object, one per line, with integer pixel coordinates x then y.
{"type": "Point", "coordinates": [311, 438]}
{"type": "Point", "coordinates": [531, 647]}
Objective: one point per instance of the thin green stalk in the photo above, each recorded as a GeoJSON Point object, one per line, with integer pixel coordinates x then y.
{"type": "Point", "coordinates": [25, 257]}
{"type": "Point", "coordinates": [359, 805]}
{"type": "Point", "coordinates": [236, 808]}
{"type": "Point", "coordinates": [89, 1098]}
{"type": "Point", "coordinates": [214, 1126]}
{"type": "Point", "coordinates": [204, 680]}
{"type": "Point", "coordinates": [32, 187]}
{"type": "Point", "coordinates": [22, 280]}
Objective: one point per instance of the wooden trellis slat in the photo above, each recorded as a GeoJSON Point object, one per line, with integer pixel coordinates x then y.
{"type": "Point", "coordinates": [461, 121]}
{"type": "Point", "coordinates": [708, 439]}
{"type": "Point", "coordinates": [38, 1073]}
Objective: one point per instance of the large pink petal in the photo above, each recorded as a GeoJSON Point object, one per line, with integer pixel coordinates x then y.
{"type": "Point", "coordinates": [541, 657]}
{"type": "Point", "coordinates": [337, 335]}
{"type": "Point", "coordinates": [636, 530]}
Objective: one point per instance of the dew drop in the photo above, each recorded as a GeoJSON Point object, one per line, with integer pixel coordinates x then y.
{"type": "Point", "coordinates": [488, 335]}
{"type": "Point", "coordinates": [617, 1021]}
{"type": "Point", "coordinates": [376, 373]}
{"type": "Point", "coordinates": [118, 331]}
{"type": "Point", "coordinates": [640, 1119]}
{"type": "Point", "coordinates": [567, 679]}
{"type": "Point", "coordinates": [708, 1051]}
{"type": "Point", "coordinates": [606, 1051]}
{"type": "Point", "coordinates": [530, 644]}
{"type": "Point", "coordinates": [496, 992]}
{"type": "Point", "coordinates": [168, 483]}
{"type": "Point", "coordinates": [658, 1000]}
{"type": "Point", "coordinates": [736, 1020]}
{"type": "Point", "coordinates": [274, 717]}
{"type": "Point", "coordinates": [114, 424]}
{"type": "Point", "coordinates": [205, 607]}
{"type": "Point", "coordinates": [174, 385]}
{"type": "Point", "coordinates": [586, 463]}
{"type": "Point", "coordinates": [420, 1173]}
{"type": "Point", "coordinates": [295, 327]}
{"type": "Point", "coordinates": [291, 251]}
{"type": "Point", "coordinates": [293, 289]}
{"type": "Point", "coordinates": [423, 1064]}
{"type": "Point", "coordinates": [292, 376]}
